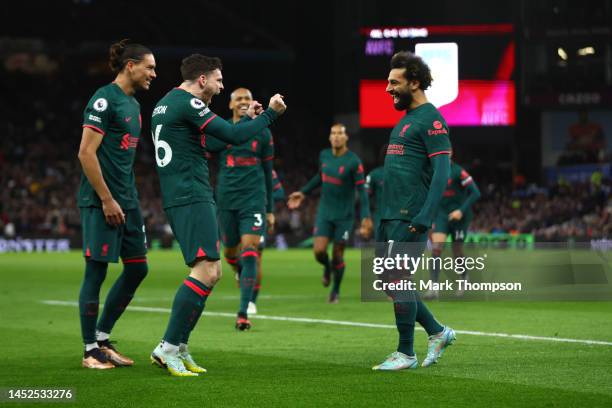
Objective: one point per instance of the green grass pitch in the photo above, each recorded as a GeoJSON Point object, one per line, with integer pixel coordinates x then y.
{"type": "Point", "coordinates": [292, 363]}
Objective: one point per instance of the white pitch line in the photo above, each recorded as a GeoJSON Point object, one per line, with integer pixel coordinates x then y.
{"type": "Point", "coordinates": [352, 324]}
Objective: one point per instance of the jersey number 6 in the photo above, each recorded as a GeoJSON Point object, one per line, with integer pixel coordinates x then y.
{"type": "Point", "coordinates": [160, 144]}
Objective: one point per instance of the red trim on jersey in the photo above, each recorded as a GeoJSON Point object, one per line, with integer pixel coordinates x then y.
{"type": "Point", "coordinates": [232, 261]}
{"type": "Point", "coordinates": [277, 186]}
{"type": "Point", "coordinates": [135, 260]}
{"type": "Point", "coordinates": [207, 122]}
{"type": "Point", "coordinates": [340, 266]}
{"type": "Point", "coordinates": [97, 129]}
{"type": "Point", "coordinates": [441, 152]}
{"type": "Point", "coordinates": [330, 179]}
{"type": "Point", "coordinates": [196, 288]}
{"type": "Point", "coordinates": [358, 182]}
{"type": "Point", "coordinates": [246, 161]}
{"type": "Point", "coordinates": [268, 158]}
{"type": "Point", "coordinates": [249, 253]}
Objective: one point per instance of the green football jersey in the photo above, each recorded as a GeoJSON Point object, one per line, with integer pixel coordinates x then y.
{"type": "Point", "coordinates": [338, 176]}
{"type": "Point", "coordinates": [241, 178]}
{"type": "Point", "coordinates": [420, 134]}
{"type": "Point", "coordinates": [374, 186]}
{"type": "Point", "coordinates": [178, 123]}
{"type": "Point", "coordinates": [116, 116]}
{"type": "Point", "coordinates": [456, 192]}
{"type": "Point", "coordinates": [278, 192]}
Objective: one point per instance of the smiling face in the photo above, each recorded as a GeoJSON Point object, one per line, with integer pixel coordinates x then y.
{"type": "Point", "coordinates": [142, 73]}
{"type": "Point", "coordinates": [240, 100]}
{"type": "Point", "coordinates": [400, 88]}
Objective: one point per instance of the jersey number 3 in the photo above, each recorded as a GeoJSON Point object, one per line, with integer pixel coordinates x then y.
{"type": "Point", "coordinates": [161, 145]}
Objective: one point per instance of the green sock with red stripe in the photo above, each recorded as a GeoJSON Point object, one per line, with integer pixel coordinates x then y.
{"type": "Point", "coordinates": [194, 321]}
{"type": "Point", "coordinates": [187, 307]}
{"type": "Point", "coordinates": [95, 273]}
{"type": "Point", "coordinates": [122, 292]}
{"type": "Point", "coordinates": [235, 263]}
{"type": "Point", "coordinates": [255, 292]}
{"type": "Point", "coordinates": [248, 276]}
{"type": "Point", "coordinates": [427, 320]}
{"type": "Point", "coordinates": [405, 317]}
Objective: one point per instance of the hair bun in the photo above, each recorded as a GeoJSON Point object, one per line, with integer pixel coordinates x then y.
{"type": "Point", "coordinates": [116, 51]}
{"type": "Point", "coordinates": [123, 51]}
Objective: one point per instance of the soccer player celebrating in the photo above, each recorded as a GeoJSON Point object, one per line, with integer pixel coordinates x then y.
{"type": "Point", "coordinates": [178, 122]}
{"type": "Point", "coordinates": [112, 223]}
{"type": "Point", "coordinates": [415, 175]}
{"type": "Point", "coordinates": [453, 218]}
{"type": "Point", "coordinates": [340, 173]}
{"type": "Point", "coordinates": [244, 197]}
{"type": "Point", "coordinates": [278, 195]}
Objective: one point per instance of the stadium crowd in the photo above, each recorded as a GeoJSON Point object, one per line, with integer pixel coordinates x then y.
{"type": "Point", "coordinates": [581, 211]}
{"type": "Point", "coordinates": [39, 181]}
{"type": "Point", "coordinates": [39, 175]}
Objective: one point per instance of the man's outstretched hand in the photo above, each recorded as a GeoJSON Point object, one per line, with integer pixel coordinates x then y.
{"type": "Point", "coordinates": [295, 200]}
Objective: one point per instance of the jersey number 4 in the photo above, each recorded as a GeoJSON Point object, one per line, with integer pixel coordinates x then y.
{"type": "Point", "coordinates": [161, 145]}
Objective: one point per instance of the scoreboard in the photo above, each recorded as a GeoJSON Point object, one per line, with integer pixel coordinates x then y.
{"type": "Point", "coordinates": [472, 68]}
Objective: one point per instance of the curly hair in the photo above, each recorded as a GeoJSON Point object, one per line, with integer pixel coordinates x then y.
{"type": "Point", "coordinates": [197, 64]}
{"type": "Point", "coordinates": [416, 68]}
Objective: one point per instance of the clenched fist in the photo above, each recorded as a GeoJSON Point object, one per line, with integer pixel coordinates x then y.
{"type": "Point", "coordinates": [278, 104]}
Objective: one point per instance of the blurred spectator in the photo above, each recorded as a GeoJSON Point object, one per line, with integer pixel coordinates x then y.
{"type": "Point", "coordinates": [580, 211]}
{"type": "Point", "coordinates": [586, 144]}
{"type": "Point", "coordinates": [39, 174]}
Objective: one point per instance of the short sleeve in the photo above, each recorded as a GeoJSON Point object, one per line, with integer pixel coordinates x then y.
{"type": "Point", "coordinates": [465, 178]}
{"type": "Point", "coordinates": [369, 186]}
{"type": "Point", "coordinates": [436, 138]}
{"type": "Point", "coordinates": [358, 172]}
{"type": "Point", "coordinates": [198, 114]}
{"type": "Point", "coordinates": [267, 150]}
{"type": "Point", "coordinates": [97, 113]}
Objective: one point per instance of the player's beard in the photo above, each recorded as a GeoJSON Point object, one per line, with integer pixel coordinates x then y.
{"type": "Point", "coordinates": [405, 99]}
